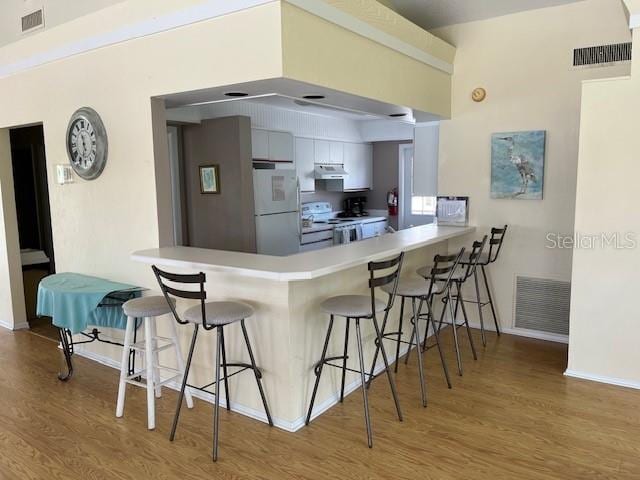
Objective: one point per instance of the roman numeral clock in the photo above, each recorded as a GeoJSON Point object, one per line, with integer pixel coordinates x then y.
{"type": "Point", "coordinates": [87, 143]}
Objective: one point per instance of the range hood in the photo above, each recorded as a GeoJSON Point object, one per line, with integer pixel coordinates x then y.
{"type": "Point", "coordinates": [330, 172]}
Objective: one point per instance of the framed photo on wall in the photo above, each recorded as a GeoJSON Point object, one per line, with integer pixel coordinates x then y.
{"type": "Point", "coordinates": [209, 179]}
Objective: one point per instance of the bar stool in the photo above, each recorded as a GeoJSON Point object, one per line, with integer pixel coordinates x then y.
{"type": "Point", "coordinates": [458, 278]}
{"type": "Point", "coordinates": [148, 308]}
{"type": "Point", "coordinates": [418, 289]}
{"type": "Point", "coordinates": [210, 315]}
{"type": "Point", "coordinates": [495, 244]}
{"type": "Point", "coordinates": [360, 307]}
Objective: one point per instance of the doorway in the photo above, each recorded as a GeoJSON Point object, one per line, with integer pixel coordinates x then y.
{"type": "Point", "coordinates": [413, 210]}
{"type": "Point", "coordinates": [33, 211]}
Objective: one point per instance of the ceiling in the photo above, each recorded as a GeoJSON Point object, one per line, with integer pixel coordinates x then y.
{"type": "Point", "coordinates": [430, 14]}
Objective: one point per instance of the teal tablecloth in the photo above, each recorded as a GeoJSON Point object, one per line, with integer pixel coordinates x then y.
{"type": "Point", "coordinates": [72, 300]}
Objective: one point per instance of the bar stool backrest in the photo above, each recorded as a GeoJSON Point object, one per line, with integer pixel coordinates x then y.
{"type": "Point", "coordinates": [444, 266]}
{"type": "Point", "coordinates": [383, 280]}
{"type": "Point", "coordinates": [175, 291]}
{"type": "Point", "coordinates": [474, 257]}
{"type": "Point", "coordinates": [495, 244]}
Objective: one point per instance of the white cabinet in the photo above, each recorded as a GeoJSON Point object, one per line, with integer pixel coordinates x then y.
{"type": "Point", "coordinates": [272, 146]}
{"type": "Point", "coordinates": [322, 149]}
{"type": "Point", "coordinates": [336, 153]}
{"type": "Point", "coordinates": [280, 146]}
{"type": "Point", "coordinates": [358, 163]}
{"type": "Point", "coordinates": [305, 164]}
{"type": "Point", "coordinates": [259, 144]}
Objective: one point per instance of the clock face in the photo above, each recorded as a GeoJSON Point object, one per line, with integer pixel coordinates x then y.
{"type": "Point", "coordinates": [87, 143]}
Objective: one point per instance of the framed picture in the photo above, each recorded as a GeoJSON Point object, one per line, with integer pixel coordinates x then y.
{"type": "Point", "coordinates": [517, 165]}
{"type": "Point", "coordinates": [209, 179]}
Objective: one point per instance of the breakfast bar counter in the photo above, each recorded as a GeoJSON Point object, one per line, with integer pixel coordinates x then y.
{"type": "Point", "coordinates": [288, 324]}
{"type": "Point", "coordinates": [301, 266]}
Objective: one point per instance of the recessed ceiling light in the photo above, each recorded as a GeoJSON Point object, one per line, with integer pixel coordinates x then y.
{"type": "Point", "coordinates": [236, 94]}
{"type": "Point", "coordinates": [313, 97]}
{"type": "Point", "coordinates": [397, 114]}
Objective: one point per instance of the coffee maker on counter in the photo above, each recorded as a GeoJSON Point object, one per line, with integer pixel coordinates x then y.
{"type": "Point", "coordinates": [354, 207]}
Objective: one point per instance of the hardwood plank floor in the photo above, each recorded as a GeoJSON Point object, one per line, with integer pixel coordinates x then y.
{"type": "Point", "coordinates": [512, 416]}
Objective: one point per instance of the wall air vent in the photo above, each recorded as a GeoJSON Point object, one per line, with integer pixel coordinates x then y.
{"type": "Point", "coordinates": [33, 21]}
{"type": "Point", "coordinates": [543, 305]}
{"type": "Point", "coordinates": [602, 55]}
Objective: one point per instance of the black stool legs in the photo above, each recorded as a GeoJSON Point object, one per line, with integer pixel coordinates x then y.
{"type": "Point", "coordinates": [220, 362]}
{"type": "Point", "coordinates": [490, 298]}
{"type": "Point", "coordinates": [363, 375]}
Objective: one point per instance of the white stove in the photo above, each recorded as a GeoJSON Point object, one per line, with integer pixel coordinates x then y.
{"type": "Point", "coordinates": [345, 230]}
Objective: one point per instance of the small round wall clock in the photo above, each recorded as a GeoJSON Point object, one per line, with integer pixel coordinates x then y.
{"type": "Point", "coordinates": [87, 144]}
{"type": "Point", "coordinates": [478, 94]}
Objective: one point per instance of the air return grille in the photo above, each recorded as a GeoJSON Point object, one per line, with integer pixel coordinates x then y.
{"type": "Point", "coordinates": [543, 305]}
{"type": "Point", "coordinates": [602, 54]}
{"type": "Point", "coordinates": [33, 20]}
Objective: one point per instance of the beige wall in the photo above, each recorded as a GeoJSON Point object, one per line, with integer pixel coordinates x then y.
{"type": "Point", "coordinates": [97, 224]}
{"type": "Point", "coordinates": [56, 12]}
{"type": "Point", "coordinates": [605, 323]}
{"type": "Point", "coordinates": [523, 61]}
{"type": "Point", "coordinates": [223, 221]}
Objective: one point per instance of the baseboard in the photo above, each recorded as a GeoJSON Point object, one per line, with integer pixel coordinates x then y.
{"type": "Point", "coordinates": [522, 332]}
{"type": "Point", "coordinates": [620, 382]}
{"type": "Point", "coordinates": [11, 326]}
{"type": "Point", "coordinates": [287, 425]}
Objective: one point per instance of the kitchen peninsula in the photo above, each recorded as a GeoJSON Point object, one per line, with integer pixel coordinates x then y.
{"type": "Point", "coordinates": [285, 293]}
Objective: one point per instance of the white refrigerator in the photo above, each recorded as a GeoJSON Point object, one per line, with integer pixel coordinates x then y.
{"type": "Point", "coordinates": [277, 202]}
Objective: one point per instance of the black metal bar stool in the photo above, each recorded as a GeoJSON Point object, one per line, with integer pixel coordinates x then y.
{"type": "Point", "coordinates": [460, 274]}
{"type": "Point", "coordinates": [420, 292]}
{"type": "Point", "coordinates": [210, 315]}
{"type": "Point", "coordinates": [495, 245]}
{"type": "Point", "coordinates": [361, 307]}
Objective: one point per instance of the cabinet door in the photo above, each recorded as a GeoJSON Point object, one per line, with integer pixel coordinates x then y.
{"type": "Point", "coordinates": [358, 162]}
{"type": "Point", "coordinates": [280, 146]}
{"type": "Point", "coordinates": [304, 158]}
{"type": "Point", "coordinates": [321, 151]}
{"type": "Point", "coordinates": [260, 144]}
{"type": "Point", "coordinates": [367, 161]}
{"type": "Point", "coordinates": [336, 153]}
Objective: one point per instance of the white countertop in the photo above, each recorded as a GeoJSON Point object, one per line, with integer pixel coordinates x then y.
{"type": "Point", "coordinates": [301, 266]}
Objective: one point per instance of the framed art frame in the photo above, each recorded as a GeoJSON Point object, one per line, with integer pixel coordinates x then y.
{"type": "Point", "coordinates": [209, 179]}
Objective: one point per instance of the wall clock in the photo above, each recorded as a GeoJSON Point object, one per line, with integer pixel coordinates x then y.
{"type": "Point", "coordinates": [87, 144]}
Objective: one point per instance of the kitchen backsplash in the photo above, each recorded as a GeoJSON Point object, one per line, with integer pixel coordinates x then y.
{"type": "Point", "coordinates": [336, 199]}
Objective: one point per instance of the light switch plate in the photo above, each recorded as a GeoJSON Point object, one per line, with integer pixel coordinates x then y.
{"type": "Point", "coordinates": [64, 174]}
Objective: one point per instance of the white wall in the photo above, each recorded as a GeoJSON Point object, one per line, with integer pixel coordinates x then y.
{"type": "Point", "coordinates": [605, 324]}
{"type": "Point", "coordinates": [523, 61]}
{"type": "Point", "coordinates": [300, 124]}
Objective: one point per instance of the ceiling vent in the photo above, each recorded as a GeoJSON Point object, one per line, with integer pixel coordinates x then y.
{"type": "Point", "coordinates": [602, 55]}
{"type": "Point", "coordinates": [33, 21]}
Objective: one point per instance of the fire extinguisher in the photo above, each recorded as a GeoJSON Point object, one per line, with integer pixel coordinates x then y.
{"type": "Point", "coordinates": [392, 202]}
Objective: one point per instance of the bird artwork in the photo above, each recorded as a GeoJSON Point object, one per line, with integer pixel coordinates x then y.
{"type": "Point", "coordinates": [517, 165]}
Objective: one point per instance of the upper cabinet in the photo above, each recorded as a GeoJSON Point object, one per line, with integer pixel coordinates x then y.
{"type": "Point", "coordinates": [305, 164]}
{"type": "Point", "coordinates": [358, 163]}
{"type": "Point", "coordinates": [260, 144]}
{"type": "Point", "coordinates": [336, 153]}
{"type": "Point", "coordinates": [272, 146]}
{"type": "Point", "coordinates": [322, 151]}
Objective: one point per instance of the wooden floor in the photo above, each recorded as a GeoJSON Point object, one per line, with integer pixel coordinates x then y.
{"type": "Point", "coordinates": [512, 416]}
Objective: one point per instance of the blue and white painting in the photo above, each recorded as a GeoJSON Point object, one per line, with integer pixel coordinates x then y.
{"type": "Point", "coordinates": [517, 165]}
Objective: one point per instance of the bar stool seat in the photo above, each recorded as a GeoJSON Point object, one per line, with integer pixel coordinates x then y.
{"type": "Point", "coordinates": [425, 272]}
{"type": "Point", "coordinates": [409, 287]}
{"type": "Point", "coordinates": [218, 313]}
{"type": "Point", "coordinates": [352, 306]}
{"type": "Point", "coordinates": [482, 260]}
{"type": "Point", "coordinates": [144, 307]}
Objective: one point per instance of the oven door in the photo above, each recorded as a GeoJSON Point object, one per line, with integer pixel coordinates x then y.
{"type": "Point", "coordinates": [347, 234]}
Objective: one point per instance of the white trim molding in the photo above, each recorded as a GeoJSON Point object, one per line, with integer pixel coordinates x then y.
{"type": "Point", "coordinates": [213, 9]}
{"type": "Point", "coordinates": [620, 382]}
{"type": "Point", "coordinates": [11, 326]}
{"type": "Point", "coordinates": [522, 332]}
